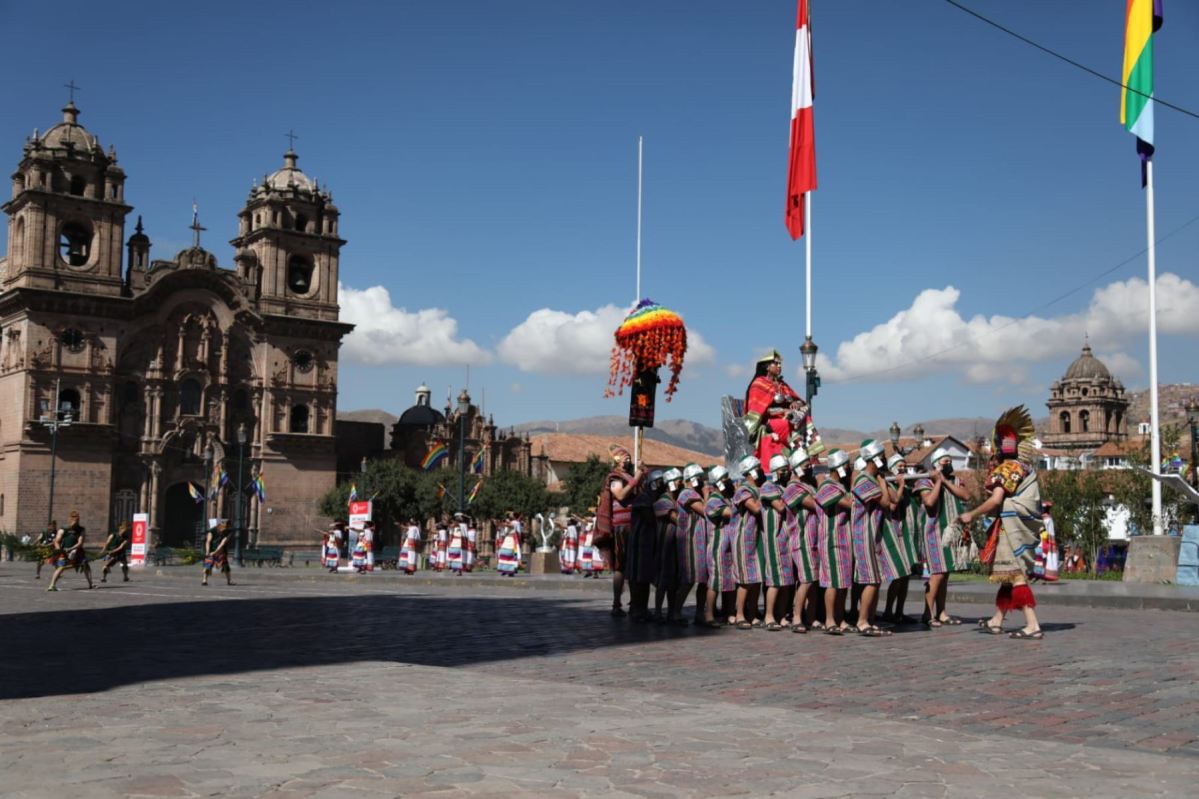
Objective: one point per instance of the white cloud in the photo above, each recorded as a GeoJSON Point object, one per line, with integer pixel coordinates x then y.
{"type": "Point", "coordinates": [932, 336]}
{"type": "Point", "coordinates": [558, 342]}
{"type": "Point", "coordinates": [386, 334]}
{"type": "Point", "coordinates": [736, 370]}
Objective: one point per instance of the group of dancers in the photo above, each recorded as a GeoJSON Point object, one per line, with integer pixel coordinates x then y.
{"type": "Point", "coordinates": [802, 532]}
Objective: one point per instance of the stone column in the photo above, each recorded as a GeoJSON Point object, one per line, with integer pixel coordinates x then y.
{"type": "Point", "coordinates": [155, 478]}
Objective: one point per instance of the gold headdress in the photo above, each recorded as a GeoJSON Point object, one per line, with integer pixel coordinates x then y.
{"type": "Point", "coordinates": [1013, 434]}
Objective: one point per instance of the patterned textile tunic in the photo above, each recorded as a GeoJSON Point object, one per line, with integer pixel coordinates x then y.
{"type": "Point", "coordinates": [1020, 522]}
{"type": "Point", "coordinates": [803, 531]}
{"type": "Point", "coordinates": [938, 557]}
{"type": "Point", "coordinates": [694, 529]}
{"type": "Point", "coordinates": [456, 554]}
{"type": "Point", "coordinates": [408, 555]}
{"type": "Point", "coordinates": [774, 545]}
{"type": "Point", "coordinates": [508, 556]}
{"type": "Point", "coordinates": [866, 519]}
{"type": "Point", "coordinates": [569, 551]}
{"type": "Point", "coordinates": [836, 546]}
{"type": "Point", "coordinates": [720, 544]}
{"type": "Point", "coordinates": [641, 564]}
{"type": "Point", "coordinates": [670, 544]}
{"type": "Point", "coordinates": [745, 539]}
{"type": "Point", "coordinates": [894, 542]}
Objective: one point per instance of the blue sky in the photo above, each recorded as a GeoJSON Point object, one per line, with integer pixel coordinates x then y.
{"type": "Point", "coordinates": [483, 157]}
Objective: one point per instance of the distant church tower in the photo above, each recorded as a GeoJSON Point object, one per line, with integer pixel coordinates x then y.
{"type": "Point", "coordinates": [1087, 407]}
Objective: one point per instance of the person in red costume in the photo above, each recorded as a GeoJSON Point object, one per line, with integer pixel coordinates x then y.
{"type": "Point", "coordinates": [776, 418]}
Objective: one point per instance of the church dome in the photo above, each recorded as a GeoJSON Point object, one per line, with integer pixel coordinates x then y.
{"type": "Point", "coordinates": [420, 416]}
{"type": "Point", "coordinates": [1087, 367]}
{"type": "Point", "coordinates": [290, 178]}
{"type": "Point", "coordinates": [69, 134]}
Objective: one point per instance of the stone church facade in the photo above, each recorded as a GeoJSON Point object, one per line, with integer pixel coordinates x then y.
{"type": "Point", "coordinates": [164, 366]}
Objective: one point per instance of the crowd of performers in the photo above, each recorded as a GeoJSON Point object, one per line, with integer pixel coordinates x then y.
{"type": "Point", "coordinates": [802, 533]}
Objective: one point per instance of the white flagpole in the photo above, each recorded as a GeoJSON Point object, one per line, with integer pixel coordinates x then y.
{"type": "Point", "coordinates": [1155, 433]}
{"type": "Point", "coordinates": [807, 237]}
{"type": "Point", "coordinates": [638, 432]}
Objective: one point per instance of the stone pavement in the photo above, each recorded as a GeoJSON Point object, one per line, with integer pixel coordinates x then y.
{"type": "Point", "coordinates": [364, 687]}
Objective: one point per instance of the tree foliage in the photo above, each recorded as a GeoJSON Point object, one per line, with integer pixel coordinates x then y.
{"type": "Point", "coordinates": [583, 483]}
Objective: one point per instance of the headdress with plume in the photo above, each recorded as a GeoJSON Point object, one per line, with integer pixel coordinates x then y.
{"type": "Point", "coordinates": [1013, 434]}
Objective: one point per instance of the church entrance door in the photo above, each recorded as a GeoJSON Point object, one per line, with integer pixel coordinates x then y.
{"type": "Point", "coordinates": [182, 525]}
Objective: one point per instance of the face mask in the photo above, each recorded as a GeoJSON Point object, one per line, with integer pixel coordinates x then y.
{"type": "Point", "coordinates": [947, 469]}
{"type": "Point", "coordinates": [841, 472]}
{"type": "Point", "coordinates": [878, 463]}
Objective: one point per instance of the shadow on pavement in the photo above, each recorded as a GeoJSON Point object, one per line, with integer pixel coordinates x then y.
{"type": "Point", "coordinates": [83, 651]}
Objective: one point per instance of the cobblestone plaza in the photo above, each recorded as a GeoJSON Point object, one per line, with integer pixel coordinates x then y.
{"type": "Point", "coordinates": [295, 684]}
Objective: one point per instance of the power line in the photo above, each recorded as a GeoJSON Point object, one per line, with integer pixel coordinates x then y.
{"type": "Point", "coordinates": [1069, 60]}
{"type": "Point", "coordinates": [972, 338]}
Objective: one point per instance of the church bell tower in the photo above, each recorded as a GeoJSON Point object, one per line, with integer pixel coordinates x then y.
{"type": "Point", "coordinates": [288, 244]}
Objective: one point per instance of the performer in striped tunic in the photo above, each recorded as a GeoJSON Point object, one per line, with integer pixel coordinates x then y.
{"type": "Point", "coordinates": [456, 552]}
{"type": "Point", "coordinates": [899, 551]}
{"type": "Point", "coordinates": [693, 528]}
{"type": "Point", "coordinates": [802, 527]}
{"type": "Point", "coordinates": [869, 500]}
{"type": "Point", "coordinates": [836, 544]}
{"type": "Point", "coordinates": [774, 545]}
{"type": "Point", "coordinates": [441, 546]}
{"type": "Point", "coordinates": [568, 553]}
{"type": "Point", "coordinates": [408, 551]}
{"type": "Point", "coordinates": [471, 551]}
{"type": "Point", "coordinates": [747, 509]}
{"type": "Point", "coordinates": [508, 551]}
{"type": "Point", "coordinates": [671, 551]}
{"type": "Point", "coordinates": [722, 583]}
{"type": "Point", "coordinates": [943, 497]}
{"type": "Point", "coordinates": [587, 551]}
{"type": "Point", "coordinates": [331, 556]}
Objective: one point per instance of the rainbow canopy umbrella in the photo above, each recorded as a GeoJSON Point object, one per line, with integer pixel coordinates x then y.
{"type": "Point", "coordinates": [650, 337]}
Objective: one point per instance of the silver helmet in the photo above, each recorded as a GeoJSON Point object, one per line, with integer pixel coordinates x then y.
{"type": "Point", "coordinates": [798, 459]}
{"type": "Point", "coordinates": [693, 472]}
{"type": "Point", "coordinates": [748, 464]}
{"type": "Point", "coordinates": [894, 463]}
{"type": "Point", "coordinates": [673, 479]}
{"type": "Point", "coordinates": [837, 460]}
{"type": "Point", "coordinates": [777, 464]}
{"type": "Point", "coordinates": [717, 474]}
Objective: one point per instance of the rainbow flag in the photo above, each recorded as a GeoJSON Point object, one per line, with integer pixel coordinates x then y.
{"type": "Point", "coordinates": [474, 492]}
{"type": "Point", "coordinates": [433, 459]}
{"type": "Point", "coordinates": [222, 479]}
{"type": "Point", "coordinates": [476, 465]}
{"type": "Point", "coordinates": [1141, 19]}
{"type": "Point", "coordinates": [196, 493]}
{"type": "Point", "coordinates": [353, 492]}
{"type": "Point", "coordinates": [260, 488]}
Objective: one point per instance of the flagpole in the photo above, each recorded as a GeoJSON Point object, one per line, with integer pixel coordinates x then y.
{"type": "Point", "coordinates": [638, 432]}
{"type": "Point", "coordinates": [807, 210]}
{"type": "Point", "coordinates": [1155, 433]}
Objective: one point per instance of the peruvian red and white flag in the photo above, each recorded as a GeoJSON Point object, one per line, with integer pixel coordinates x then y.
{"type": "Point", "coordinates": [801, 165]}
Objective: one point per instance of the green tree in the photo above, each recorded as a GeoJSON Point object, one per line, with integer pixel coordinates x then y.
{"type": "Point", "coordinates": [583, 483]}
{"type": "Point", "coordinates": [505, 491]}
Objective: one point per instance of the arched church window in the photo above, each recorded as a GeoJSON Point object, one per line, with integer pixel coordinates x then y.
{"type": "Point", "coordinates": [301, 223]}
{"type": "Point", "coordinates": [299, 419]}
{"type": "Point", "coordinates": [189, 397]}
{"type": "Point", "coordinates": [1085, 392]}
{"type": "Point", "coordinates": [18, 241]}
{"type": "Point", "coordinates": [75, 243]}
{"type": "Point", "coordinates": [78, 185]}
{"type": "Point", "coordinates": [1084, 421]}
{"type": "Point", "coordinates": [299, 274]}
{"type": "Point", "coordinates": [68, 402]}
{"type": "Point", "coordinates": [1065, 420]}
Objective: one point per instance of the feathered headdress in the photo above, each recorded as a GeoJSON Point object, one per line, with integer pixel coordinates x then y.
{"type": "Point", "coordinates": [1013, 434]}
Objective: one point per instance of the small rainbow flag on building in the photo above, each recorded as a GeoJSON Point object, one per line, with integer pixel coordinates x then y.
{"type": "Point", "coordinates": [222, 479]}
{"type": "Point", "coordinates": [476, 465]}
{"type": "Point", "coordinates": [474, 492]}
{"type": "Point", "coordinates": [353, 492]}
{"type": "Point", "coordinates": [436, 455]}
{"type": "Point", "coordinates": [260, 488]}
{"type": "Point", "coordinates": [196, 493]}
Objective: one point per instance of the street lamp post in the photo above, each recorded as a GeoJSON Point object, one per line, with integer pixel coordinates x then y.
{"type": "Point", "coordinates": [808, 352]}
{"type": "Point", "coordinates": [208, 454]}
{"type": "Point", "coordinates": [895, 431]}
{"type": "Point", "coordinates": [463, 406]}
{"type": "Point", "coordinates": [1192, 409]}
{"type": "Point", "coordinates": [241, 491]}
{"type": "Point", "coordinates": [61, 418]}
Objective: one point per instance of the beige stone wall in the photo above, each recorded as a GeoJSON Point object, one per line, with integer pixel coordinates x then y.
{"type": "Point", "coordinates": [289, 516]}
{"type": "Point", "coordinates": [83, 482]}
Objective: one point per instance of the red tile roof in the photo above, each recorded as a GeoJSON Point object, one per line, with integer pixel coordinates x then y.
{"type": "Point", "coordinates": [577, 448]}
